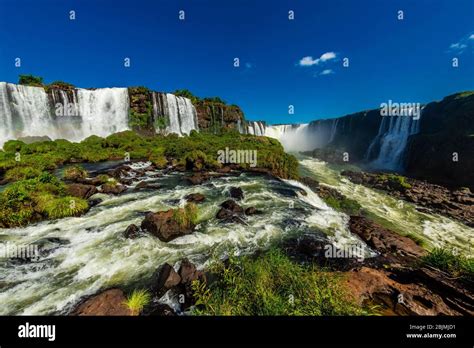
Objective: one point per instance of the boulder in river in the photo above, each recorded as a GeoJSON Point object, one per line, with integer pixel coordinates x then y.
{"type": "Point", "coordinates": [107, 303]}
{"type": "Point", "coordinates": [167, 225]}
{"type": "Point", "coordinates": [195, 197]}
{"type": "Point", "coordinates": [113, 188]}
{"type": "Point", "coordinates": [164, 278]}
{"type": "Point", "coordinates": [81, 190]}
{"type": "Point", "coordinates": [132, 232]}
{"type": "Point", "coordinates": [236, 193]}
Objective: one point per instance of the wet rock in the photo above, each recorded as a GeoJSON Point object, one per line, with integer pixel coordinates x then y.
{"type": "Point", "coordinates": [224, 170]}
{"type": "Point", "coordinates": [115, 189]}
{"type": "Point", "coordinates": [165, 227]}
{"type": "Point", "coordinates": [376, 286]}
{"type": "Point", "coordinates": [132, 232]}
{"type": "Point", "coordinates": [94, 202]}
{"type": "Point", "coordinates": [161, 309]}
{"type": "Point", "coordinates": [236, 192]}
{"type": "Point", "coordinates": [457, 204]}
{"type": "Point", "coordinates": [126, 181]}
{"type": "Point", "coordinates": [195, 198]}
{"type": "Point", "coordinates": [383, 240]}
{"type": "Point", "coordinates": [252, 211]}
{"type": "Point", "coordinates": [145, 185]}
{"type": "Point", "coordinates": [164, 278]}
{"type": "Point", "coordinates": [107, 303]}
{"type": "Point", "coordinates": [198, 178]}
{"type": "Point", "coordinates": [81, 190]}
{"type": "Point", "coordinates": [229, 209]}
{"type": "Point", "coordinates": [189, 274]}
{"type": "Point", "coordinates": [310, 182]}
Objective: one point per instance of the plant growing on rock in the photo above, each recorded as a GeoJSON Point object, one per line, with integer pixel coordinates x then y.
{"type": "Point", "coordinates": [21, 173]}
{"type": "Point", "coordinates": [75, 173]}
{"type": "Point", "coordinates": [138, 300]}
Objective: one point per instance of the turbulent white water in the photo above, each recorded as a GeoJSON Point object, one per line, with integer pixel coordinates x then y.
{"type": "Point", "coordinates": [391, 141]}
{"type": "Point", "coordinates": [89, 253]}
{"type": "Point", "coordinates": [92, 254]}
{"type": "Point", "coordinates": [398, 215]}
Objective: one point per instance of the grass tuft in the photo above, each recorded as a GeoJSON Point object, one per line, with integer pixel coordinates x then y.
{"type": "Point", "coordinates": [138, 300]}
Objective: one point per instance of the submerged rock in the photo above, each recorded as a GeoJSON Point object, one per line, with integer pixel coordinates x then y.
{"type": "Point", "coordinates": [132, 232]}
{"type": "Point", "coordinates": [236, 192]}
{"type": "Point", "coordinates": [195, 198]}
{"type": "Point", "coordinates": [107, 303]}
{"type": "Point", "coordinates": [229, 209]}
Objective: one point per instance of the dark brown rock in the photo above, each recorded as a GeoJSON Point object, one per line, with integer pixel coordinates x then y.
{"type": "Point", "coordinates": [164, 278]}
{"type": "Point", "coordinates": [198, 178]}
{"type": "Point", "coordinates": [108, 303]}
{"type": "Point", "coordinates": [236, 192]}
{"type": "Point", "coordinates": [114, 189]}
{"type": "Point", "coordinates": [81, 190]}
{"type": "Point", "coordinates": [163, 226]}
{"type": "Point", "coordinates": [195, 198]}
{"type": "Point", "coordinates": [131, 232]}
{"type": "Point", "coordinates": [383, 240]}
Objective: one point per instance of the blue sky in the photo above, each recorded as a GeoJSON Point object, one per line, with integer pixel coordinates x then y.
{"type": "Point", "coordinates": [405, 61]}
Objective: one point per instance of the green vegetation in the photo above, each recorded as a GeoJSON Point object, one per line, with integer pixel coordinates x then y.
{"type": "Point", "coordinates": [271, 284]}
{"type": "Point", "coordinates": [397, 182]}
{"type": "Point", "coordinates": [187, 94]}
{"type": "Point", "coordinates": [30, 80]}
{"type": "Point", "coordinates": [138, 300]}
{"type": "Point", "coordinates": [21, 173]}
{"type": "Point", "coordinates": [187, 216]}
{"type": "Point", "coordinates": [141, 108]}
{"type": "Point", "coordinates": [346, 205]}
{"type": "Point", "coordinates": [456, 265]}
{"type": "Point", "coordinates": [75, 173]}
{"type": "Point", "coordinates": [43, 197]}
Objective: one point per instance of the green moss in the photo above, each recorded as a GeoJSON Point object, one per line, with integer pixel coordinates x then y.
{"type": "Point", "coordinates": [272, 284]}
{"type": "Point", "coordinates": [346, 205]}
{"type": "Point", "coordinates": [187, 216]}
{"type": "Point", "coordinates": [397, 182]}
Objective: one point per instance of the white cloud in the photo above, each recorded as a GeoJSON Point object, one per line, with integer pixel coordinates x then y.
{"type": "Point", "coordinates": [326, 72]}
{"type": "Point", "coordinates": [457, 46]}
{"type": "Point", "coordinates": [309, 61]}
{"type": "Point", "coordinates": [471, 37]}
{"type": "Point", "coordinates": [327, 56]}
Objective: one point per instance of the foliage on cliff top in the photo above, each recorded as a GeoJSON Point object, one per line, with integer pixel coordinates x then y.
{"type": "Point", "coordinates": [30, 80]}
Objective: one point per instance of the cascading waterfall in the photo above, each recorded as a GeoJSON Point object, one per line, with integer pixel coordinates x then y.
{"type": "Point", "coordinates": [295, 137]}
{"type": "Point", "coordinates": [25, 111]}
{"type": "Point", "coordinates": [72, 115]}
{"type": "Point", "coordinates": [387, 149]}
{"type": "Point", "coordinates": [76, 114]}
{"type": "Point", "coordinates": [103, 111]}
{"type": "Point", "coordinates": [179, 112]}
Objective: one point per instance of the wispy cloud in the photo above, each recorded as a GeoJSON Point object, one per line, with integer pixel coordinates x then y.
{"type": "Point", "coordinates": [310, 61]}
{"type": "Point", "coordinates": [326, 72]}
{"type": "Point", "coordinates": [460, 46]}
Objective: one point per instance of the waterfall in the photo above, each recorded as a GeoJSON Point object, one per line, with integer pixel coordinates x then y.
{"type": "Point", "coordinates": [388, 146]}
{"type": "Point", "coordinates": [103, 111]}
{"type": "Point", "coordinates": [256, 128]}
{"type": "Point", "coordinates": [178, 111]}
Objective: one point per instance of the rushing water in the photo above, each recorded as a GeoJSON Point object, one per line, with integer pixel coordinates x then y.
{"type": "Point", "coordinates": [83, 255]}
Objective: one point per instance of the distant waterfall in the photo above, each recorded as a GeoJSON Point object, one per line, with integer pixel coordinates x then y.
{"type": "Point", "coordinates": [75, 114]}
{"type": "Point", "coordinates": [72, 115]}
{"type": "Point", "coordinates": [179, 113]}
{"type": "Point", "coordinates": [387, 149]}
{"type": "Point", "coordinates": [256, 128]}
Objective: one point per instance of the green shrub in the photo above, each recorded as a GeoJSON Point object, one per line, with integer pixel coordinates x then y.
{"type": "Point", "coordinates": [456, 264]}
{"type": "Point", "coordinates": [272, 284]}
{"type": "Point", "coordinates": [21, 173]}
{"type": "Point", "coordinates": [57, 208]}
{"type": "Point", "coordinates": [75, 173]}
{"type": "Point", "coordinates": [30, 80]}
{"type": "Point", "coordinates": [187, 216]}
{"type": "Point", "coordinates": [346, 205]}
{"type": "Point", "coordinates": [13, 146]}
{"type": "Point", "coordinates": [138, 300]}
